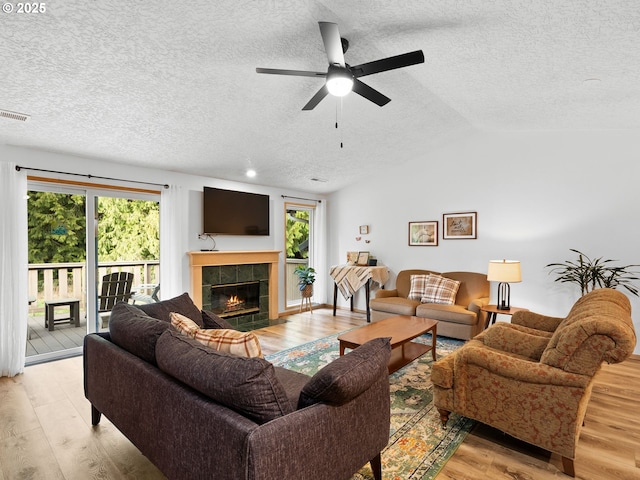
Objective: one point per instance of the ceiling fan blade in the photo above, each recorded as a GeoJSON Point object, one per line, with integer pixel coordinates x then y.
{"type": "Point", "coordinates": [389, 63]}
{"type": "Point", "coordinates": [332, 43]}
{"type": "Point", "coordinates": [323, 92]}
{"type": "Point", "coordinates": [369, 93]}
{"type": "Point", "coordinates": [297, 73]}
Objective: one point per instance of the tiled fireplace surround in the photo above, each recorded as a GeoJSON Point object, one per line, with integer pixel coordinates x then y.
{"type": "Point", "coordinates": [220, 268]}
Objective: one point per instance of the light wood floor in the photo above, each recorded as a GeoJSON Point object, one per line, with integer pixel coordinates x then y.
{"type": "Point", "coordinates": [46, 433]}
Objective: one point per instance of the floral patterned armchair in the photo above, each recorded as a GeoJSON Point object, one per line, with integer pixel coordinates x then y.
{"type": "Point", "coordinates": [532, 378]}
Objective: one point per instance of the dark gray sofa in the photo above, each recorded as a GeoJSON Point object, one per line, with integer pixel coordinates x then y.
{"type": "Point", "coordinates": [267, 423]}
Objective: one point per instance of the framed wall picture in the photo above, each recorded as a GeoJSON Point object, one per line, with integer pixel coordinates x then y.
{"type": "Point", "coordinates": [459, 225]}
{"type": "Point", "coordinates": [423, 234]}
{"type": "Point", "coordinates": [363, 258]}
{"type": "Point", "coordinates": [364, 229]}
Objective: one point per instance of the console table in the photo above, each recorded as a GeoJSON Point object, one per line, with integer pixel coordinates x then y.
{"type": "Point", "coordinates": [350, 278]}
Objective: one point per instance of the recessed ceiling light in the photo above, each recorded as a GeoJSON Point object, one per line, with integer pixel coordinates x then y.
{"type": "Point", "coordinates": [321, 180]}
{"type": "Point", "coordinates": [251, 173]}
{"type": "Point", "coordinates": [591, 82]}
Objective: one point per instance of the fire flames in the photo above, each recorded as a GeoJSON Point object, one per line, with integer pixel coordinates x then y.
{"type": "Point", "coordinates": [234, 302]}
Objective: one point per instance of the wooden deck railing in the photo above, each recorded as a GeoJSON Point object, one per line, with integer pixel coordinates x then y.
{"type": "Point", "coordinates": [293, 292]}
{"type": "Point", "coordinates": [60, 280]}
{"type": "Point", "coordinates": [44, 279]}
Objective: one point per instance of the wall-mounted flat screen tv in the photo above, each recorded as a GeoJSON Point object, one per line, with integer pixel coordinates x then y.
{"type": "Point", "coordinates": [228, 212]}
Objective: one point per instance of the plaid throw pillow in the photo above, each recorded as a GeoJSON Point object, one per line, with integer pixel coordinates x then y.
{"type": "Point", "coordinates": [440, 290]}
{"type": "Point", "coordinates": [418, 284]}
{"type": "Point", "coordinates": [242, 344]}
{"type": "Point", "coordinates": [185, 325]}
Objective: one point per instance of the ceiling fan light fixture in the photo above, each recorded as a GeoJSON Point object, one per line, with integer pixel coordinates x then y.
{"type": "Point", "coordinates": [339, 81]}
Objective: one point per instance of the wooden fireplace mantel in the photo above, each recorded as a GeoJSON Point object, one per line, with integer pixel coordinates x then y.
{"type": "Point", "coordinates": [197, 260]}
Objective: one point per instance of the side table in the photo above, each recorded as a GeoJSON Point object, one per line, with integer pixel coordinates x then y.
{"type": "Point", "coordinates": [493, 311]}
{"type": "Point", "coordinates": [51, 305]}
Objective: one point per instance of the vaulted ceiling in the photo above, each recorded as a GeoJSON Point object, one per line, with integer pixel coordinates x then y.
{"type": "Point", "coordinates": [172, 85]}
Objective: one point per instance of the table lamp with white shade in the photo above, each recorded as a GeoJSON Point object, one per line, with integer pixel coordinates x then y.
{"type": "Point", "coordinates": [505, 272]}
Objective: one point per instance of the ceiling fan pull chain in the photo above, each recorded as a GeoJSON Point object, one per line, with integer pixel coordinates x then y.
{"type": "Point", "coordinates": [341, 146]}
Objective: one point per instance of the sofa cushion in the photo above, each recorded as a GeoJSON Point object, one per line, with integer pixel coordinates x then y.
{"type": "Point", "coordinates": [418, 286]}
{"type": "Point", "coordinates": [396, 305]}
{"type": "Point", "coordinates": [348, 376]}
{"type": "Point", "coordinates": [473, 286]}
{"type": "Point", "coordinates": [211, 320]}
{"type": "Point", "coordinates": [517, 339]}
{"type": "Point", "coordinates": [292, 382]}
{"type": "Point", "coordinates": [244, 344]}
{"type": "Point", "coordinates": [135, 331]}
{"type": "Point", "coordinates": [181, 304]}
{"type": "Point", "coordinates": [447, 313]}
{"type": "Point", "coordinates": [440, 290]}
{"type": "Point", "coordinates": [403, 280]}
{"type": "Point", "coordinates": [246, 385]}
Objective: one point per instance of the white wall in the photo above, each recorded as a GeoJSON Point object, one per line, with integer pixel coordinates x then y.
{"type": "Point", "coordinates": [193, 209]}
{"type": "Point", "coordinates": [537, 195]}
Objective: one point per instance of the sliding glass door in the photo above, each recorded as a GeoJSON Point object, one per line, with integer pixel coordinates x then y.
{"type": "Point", "coordinates": [57, 246]}
{"type": "Point", "coordinates": [299, 249]}
{"type": "Point", "coordinates": [127, 252]}
{"type": "Point", "coordinates": [77, 238]}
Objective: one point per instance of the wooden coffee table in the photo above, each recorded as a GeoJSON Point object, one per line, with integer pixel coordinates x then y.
{"type": "Point", "coordinates": [402, 329]}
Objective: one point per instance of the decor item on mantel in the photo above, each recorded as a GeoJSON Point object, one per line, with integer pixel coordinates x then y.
{"type": "Point", "coordinates": [505, 272]}
{"type": "Point", "coordinates": [597, 273]}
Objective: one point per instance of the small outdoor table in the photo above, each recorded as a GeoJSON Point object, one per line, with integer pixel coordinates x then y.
{"type": "Point", "coordinates": [51, 305]}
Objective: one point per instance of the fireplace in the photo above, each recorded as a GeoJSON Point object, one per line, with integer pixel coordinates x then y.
{"type": "Point", "coordinates": [213, 269]}
{"type": "Point", "coordinates": [234, 299]}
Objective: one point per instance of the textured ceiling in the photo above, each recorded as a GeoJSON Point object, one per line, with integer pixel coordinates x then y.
{"type": "Point", "coordinates": [173, 85]}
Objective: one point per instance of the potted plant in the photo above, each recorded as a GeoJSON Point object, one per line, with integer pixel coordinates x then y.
{"type": "Point", "coordinates": [597, 273]}
{"type": "Point", "coordinates": [306, 277]}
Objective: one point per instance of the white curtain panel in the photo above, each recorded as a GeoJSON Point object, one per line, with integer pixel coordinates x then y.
{"type": "Point", "coordinates": [320, 253]}
{"type": "Point", "coordinates": [173, 245]}
{"type": "Point", "coordinates": [14, 301]}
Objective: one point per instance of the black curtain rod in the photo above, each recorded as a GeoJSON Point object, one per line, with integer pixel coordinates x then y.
{"type": "Point", "coordinates": [18, 168]}
{"type": "Point", "coordinates": [300, 198]}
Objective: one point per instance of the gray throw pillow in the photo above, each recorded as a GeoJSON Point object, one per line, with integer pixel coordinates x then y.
{"type": "Point", "coordinates": [135, 331]}
{"type": "Point", "coordinates": [348, 376]}
{"type": "Point", "coordinates": [181, 304]}
{"type": "Point", "coordinates": [246, 385]}
{"type": "Point", "coordinates": [211, 320]}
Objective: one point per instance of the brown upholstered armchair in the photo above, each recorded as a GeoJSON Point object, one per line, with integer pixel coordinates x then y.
{"type": "Point", "coordinates": [532, 378]}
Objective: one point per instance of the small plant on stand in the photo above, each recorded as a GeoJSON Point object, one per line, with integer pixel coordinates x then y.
{"type": "Point", "coordinates": [306, 278]}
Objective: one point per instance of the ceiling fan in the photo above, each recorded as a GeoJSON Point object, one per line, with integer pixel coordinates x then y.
{"type": "Point", "coordinates": [341, 78]}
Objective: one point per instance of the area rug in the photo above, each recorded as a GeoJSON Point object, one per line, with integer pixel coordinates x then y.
{"type": "Point", "coordinates": [418, 446]}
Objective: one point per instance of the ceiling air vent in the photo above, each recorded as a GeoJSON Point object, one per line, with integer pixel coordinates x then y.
{"type": "Point", "coordinates": [14, 115]}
